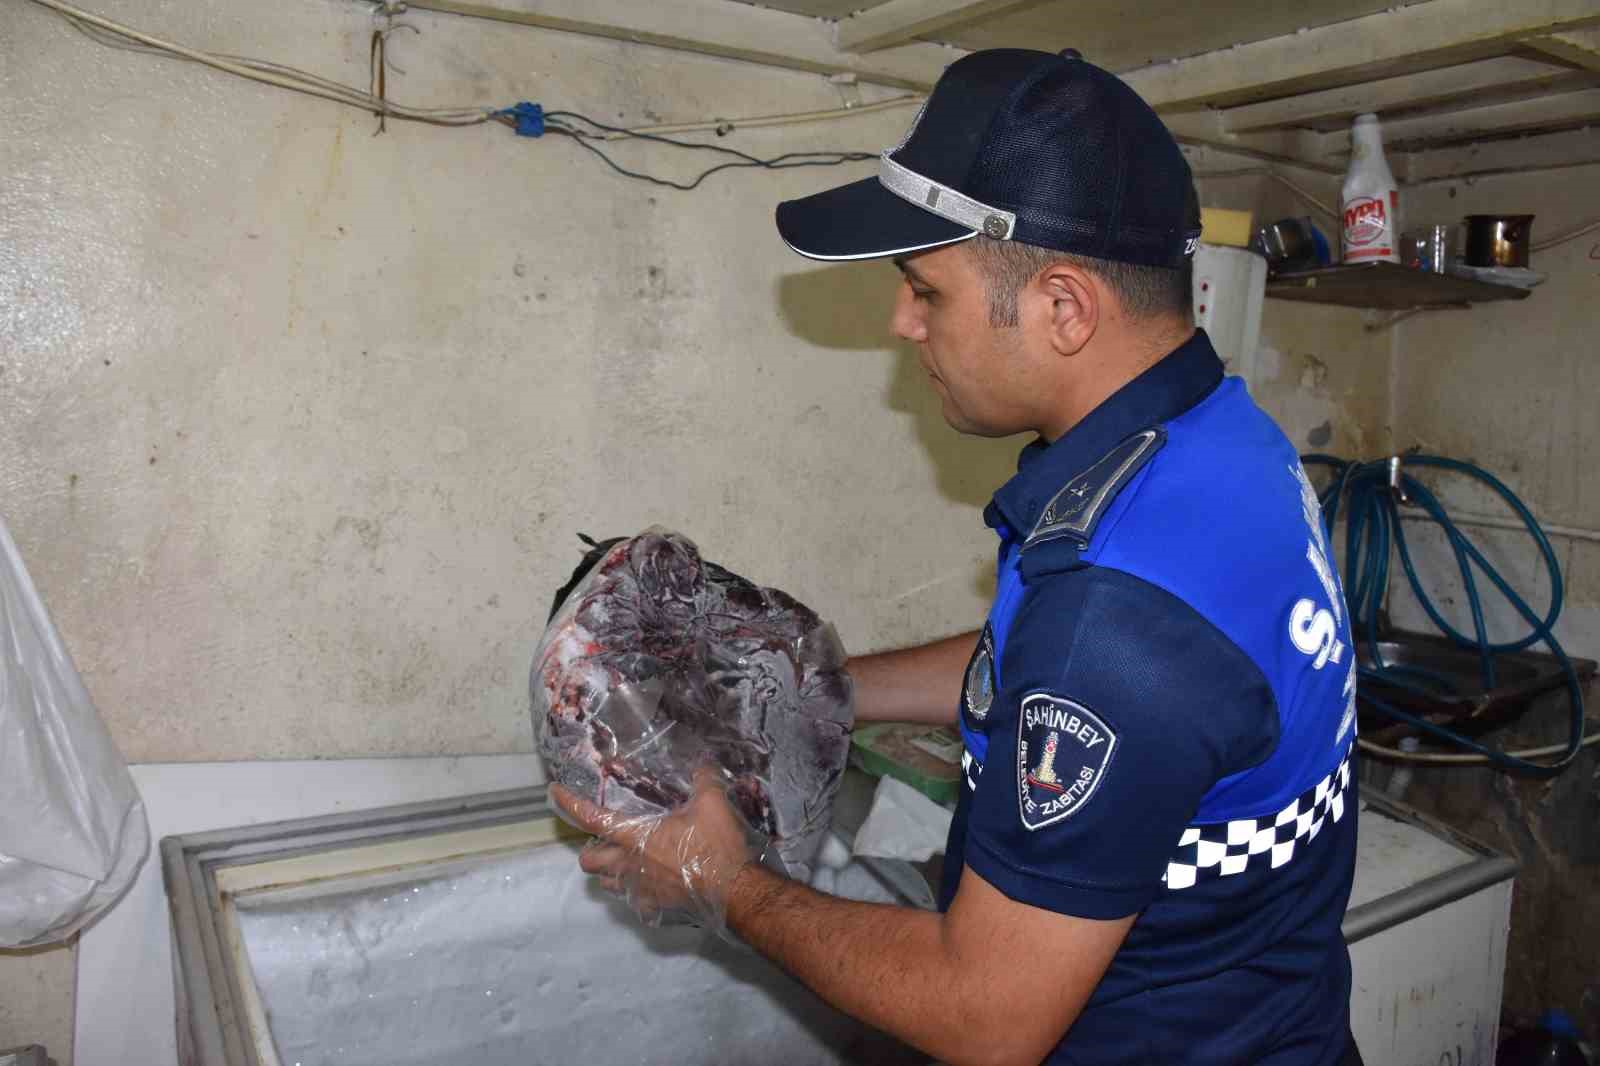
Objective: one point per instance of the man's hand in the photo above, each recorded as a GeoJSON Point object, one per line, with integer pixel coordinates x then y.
{"type": "Point", "coordinates": [683, 862]}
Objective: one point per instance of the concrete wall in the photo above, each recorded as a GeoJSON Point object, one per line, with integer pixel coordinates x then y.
{"type": "Point", "coordinates": [299, 422]}
{"type": "Point", "coordinates": [1516, 389]}
{"type": "Point", "coordinates": [1322, 372]}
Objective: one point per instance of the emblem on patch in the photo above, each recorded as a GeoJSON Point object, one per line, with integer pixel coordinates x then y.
{"type": "Point", "coordinates": [1063, 751]}
{"type": "Point", "coordinates": [978, 693]}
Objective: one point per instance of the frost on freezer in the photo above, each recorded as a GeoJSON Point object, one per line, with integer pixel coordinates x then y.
{"type": "Point", "coordinates": [656, 662]}
{"type": "Point", "coordinates": [518, 961]}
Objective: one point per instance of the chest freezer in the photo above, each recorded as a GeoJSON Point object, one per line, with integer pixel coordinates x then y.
{"type": "Point", "coordinates": [1427, 926]}
{"type": "Point", "coordinates": [461, 933]}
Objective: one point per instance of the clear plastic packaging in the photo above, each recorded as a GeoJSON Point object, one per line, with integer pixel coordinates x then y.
{"type": "Point", "coordinates": [72, 826]}
{"type": "Point", "coordinates": [660, 671]}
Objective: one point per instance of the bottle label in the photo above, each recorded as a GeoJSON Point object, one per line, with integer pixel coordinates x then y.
{"type": "Point", "coordinates": [1366, 229]}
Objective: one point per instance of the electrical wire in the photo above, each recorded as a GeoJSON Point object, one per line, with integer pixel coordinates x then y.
{"type": "Point", "coordinates": [721, 126]}
{"type": "Point", "coordinates": [580, 128]}
{"type": "Point", "coordinates": [1443, 758]}
{"type": "Point", "coordinates": [1374, 532]}
{"type": "Point", "coordinates": [561, 122]}
{"type": "Point", "coordinates": [1269, 172]}
{"type": "Point", "coordinates": [1562, 238]}
{"type": "Point", "coordinates": [115, 34]}
{"type": "Point", "coordinates": [1493, 522]}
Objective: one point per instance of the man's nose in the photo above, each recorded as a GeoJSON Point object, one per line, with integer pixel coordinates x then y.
{"type": "Point", "coordinates": [906, 321]}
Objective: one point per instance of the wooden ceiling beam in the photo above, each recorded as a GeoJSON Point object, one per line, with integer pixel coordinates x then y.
{"type": "Point", "coordinates": [1497, 120]}
{"type": "Point", "coordinates": [1408, 90]}
{"type": "Point", "coordinates": [1518, 155]}
{"type": "Point", "coordinates": [1301, 148]}
{"type": "Point", "coordinates": [1581, 48]}
{"type": "Point", "coordinates": [1432, 34]}
{"type": "Point", "coordinates": [899, 21]}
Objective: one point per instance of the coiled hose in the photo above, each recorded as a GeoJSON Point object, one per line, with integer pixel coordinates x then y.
{"type": "Point", "coordinates": [1374, 533]}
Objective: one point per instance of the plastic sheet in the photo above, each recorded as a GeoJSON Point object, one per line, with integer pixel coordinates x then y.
{"type": "Point", "coordinates": [903, 824]}
{"type": "Point", "coordinates": [72, 826]}
{"type": "Point", "coordinates": [658, 666]}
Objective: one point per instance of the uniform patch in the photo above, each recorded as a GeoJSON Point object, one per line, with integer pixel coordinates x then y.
{"type": "Point", "coordinates": [978, 692]}
{"type": "Point", "coordinates": [1063, 751]}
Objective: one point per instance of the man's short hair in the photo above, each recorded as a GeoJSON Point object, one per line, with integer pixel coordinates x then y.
{"type": "Point", "coordinates": [1145, 292]}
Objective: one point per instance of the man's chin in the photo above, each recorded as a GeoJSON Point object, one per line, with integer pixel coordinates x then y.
{"type": "Point", "coordinates": [969, 428]}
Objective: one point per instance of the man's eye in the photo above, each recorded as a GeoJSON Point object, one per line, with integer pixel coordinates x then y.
{"type": "Point", "coordinates": [921, 294]}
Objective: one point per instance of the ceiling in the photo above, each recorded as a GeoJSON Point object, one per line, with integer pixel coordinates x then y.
{"type": "Point", "coordinates": [1443, 74]}
{"type": "Point", "coordinates": [1117, 34]}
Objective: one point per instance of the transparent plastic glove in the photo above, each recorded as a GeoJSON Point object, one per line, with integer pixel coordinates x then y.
{"type": "Point", "coordinates": [670, 867]}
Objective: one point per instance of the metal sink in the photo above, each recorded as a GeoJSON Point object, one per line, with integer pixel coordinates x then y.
{"type": "Point", "coordinates": [1453, 677]}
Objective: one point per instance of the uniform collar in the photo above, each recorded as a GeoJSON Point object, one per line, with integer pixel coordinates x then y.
{"type": "Point", "coordinates": [1180, 380]}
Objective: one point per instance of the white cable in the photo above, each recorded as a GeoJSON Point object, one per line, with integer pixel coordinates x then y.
{"type": "Point", "coordinates": [1516, 525]}
{"type": "Point", "coordinates": [710, 125]}
{"type": "Point", "coordinates": [262, 71]}
{"type": "Point", "coordinates": [1269, 172]}
{"type": "Point", "coordinates": [1562, 238]}
{"type": "Point", "coordinates": [1469, 760]}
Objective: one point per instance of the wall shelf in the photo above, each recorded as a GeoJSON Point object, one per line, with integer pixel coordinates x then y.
{"type": "Point", "coordinates": [1387, 287]}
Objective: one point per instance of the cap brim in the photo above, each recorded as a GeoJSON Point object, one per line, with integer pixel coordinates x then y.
{"type": "Point", "coordinates": [862, 220]}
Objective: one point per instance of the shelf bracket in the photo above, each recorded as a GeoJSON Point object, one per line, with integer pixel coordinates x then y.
{"type": "Point", "coordinates": [1400, 316]}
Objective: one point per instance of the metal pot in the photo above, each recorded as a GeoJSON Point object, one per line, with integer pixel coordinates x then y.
{"type": "Point", "coordinates": [1290, 244]}
{"type": "Point", "coordinates": [1498, 240]}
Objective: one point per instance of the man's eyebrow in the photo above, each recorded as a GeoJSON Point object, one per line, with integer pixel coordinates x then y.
{"type": "Point", "coordinates": [909, 271]}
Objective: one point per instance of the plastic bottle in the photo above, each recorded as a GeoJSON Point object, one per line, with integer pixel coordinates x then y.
{"type": "Point", "coordinates": [1553, 1043]}
{"type": "Point", "coordinates": [1370, 199]}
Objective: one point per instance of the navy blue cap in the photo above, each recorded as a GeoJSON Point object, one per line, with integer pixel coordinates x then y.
{"type": "Point", "coordinates": [1037, 147]}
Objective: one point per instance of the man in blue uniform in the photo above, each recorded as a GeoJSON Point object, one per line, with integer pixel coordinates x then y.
{"type": "Point", "coordinates": [1154, 846]}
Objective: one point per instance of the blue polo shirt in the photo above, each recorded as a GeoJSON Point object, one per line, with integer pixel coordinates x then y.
{"type": "Point", "coordinates": [1159, 720]}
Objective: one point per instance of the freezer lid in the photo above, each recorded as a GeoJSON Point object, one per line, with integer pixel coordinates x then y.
{"type": "Point", "coordinates": [1408, 863]}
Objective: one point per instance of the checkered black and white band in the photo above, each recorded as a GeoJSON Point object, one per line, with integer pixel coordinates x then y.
{"type": "Point", "coordinates": [971, 768]}
{"type": "Point", "coordinates": [1223, 848]}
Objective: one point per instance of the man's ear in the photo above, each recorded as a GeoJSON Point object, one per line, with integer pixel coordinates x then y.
{"type": "Point", "coordinates": [1075, 304]}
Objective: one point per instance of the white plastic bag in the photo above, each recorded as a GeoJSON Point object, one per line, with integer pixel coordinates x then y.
{"type": "Point", "coordinates": [72, 826]}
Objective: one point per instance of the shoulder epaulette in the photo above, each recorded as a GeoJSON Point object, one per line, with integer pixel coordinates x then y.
{"type": "Point", "coordinates": [1075, 511]}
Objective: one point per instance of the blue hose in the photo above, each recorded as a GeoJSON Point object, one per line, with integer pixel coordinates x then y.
{"type": "Point", "coordinates": [1374, 534]}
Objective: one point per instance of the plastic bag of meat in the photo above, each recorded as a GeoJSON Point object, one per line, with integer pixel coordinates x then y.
{"type": "Point", "coordinates": [657, 664]}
